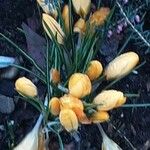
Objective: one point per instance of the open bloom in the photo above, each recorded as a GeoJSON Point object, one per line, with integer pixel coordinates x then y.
{"type": "Point", "coordinates": [79, 85]}
{"type": "Point", "coordinates": [81, 7]}
{"type": "Point", "coordinates": [51, 23]}
{"type": "Point", "coordinates": [121, 65]}
{"type": "Point", "coordinates": [100, 116]}
{"type": "Point", "coordinates": [25, 87]}
{"type": "Point", "coordinates": [98, 18]}
{"type": "Point", "coordinates": [80, 26]}
{"type": "Point", "coordinates": [75, 104]}
{"type": "Point", "coordinates": [69, 101]}
{"type": "Point", "coordinates": [65, 16]}
{"type": "Point", "coordinates": [68, 119]}
{"type": "Point", "coordinates": [109, 99]}
{"type": "Point", "coordinates": [94, 70]}
{"type": "Point", "coordinates": [54, 106]}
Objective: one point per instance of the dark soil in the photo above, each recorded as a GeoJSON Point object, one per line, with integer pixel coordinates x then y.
{"type": "Point", "coordinates": [132, 123]}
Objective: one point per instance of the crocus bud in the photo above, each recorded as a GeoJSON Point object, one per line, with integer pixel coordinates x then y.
{"type": "Point", "coordinates": [100, 116]}
{"type": "Point", "coordinates": [81, 7]}
{"type": "Point", "coordinates": [121, 65]}
{"type": "Point", "coordinates": [54, 27]}
{"type": "Point", "coordinates": [109, 33]}
{"type": "Point", "coordinates": [54, 106]}
{"type": "Point", "coordinates": [79, 85]}
{"type": "Point", "coordinates": [69, 101]}
{"type": "Point", "coordinates": [26, 87]}
{"type": "Point", "coordinates": [55, 75]}
{"type": "Point", "coordinates": [65, 16]}
{"type": "Point", "coordinates": [98, 18]}
{"type": "Point", "coordinates": [120, 27]}
{"type": "Point", "coordinates": [108, 100]}
{"type": "Point", "coordinates": [68, 119]}
{"type": "Point", "coordinates": [125, 1]}
{"type": "Point", "coordinates": [137, 18]}
{"type": "Point", "coordinates": [80, 26]}
{"type": "Point", "coordinates": [94, 70]}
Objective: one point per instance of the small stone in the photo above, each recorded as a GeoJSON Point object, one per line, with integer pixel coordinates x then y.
{"type": "Point", "coordinates": [7, 105]}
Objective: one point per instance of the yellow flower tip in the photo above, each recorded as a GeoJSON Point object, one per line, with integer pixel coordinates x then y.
{"type": "Point", "coordinates": [79, 85]}
{"type": "Point", "coordinates": [25, 87]}
{"type": "Point", "coordinates": [55, 75]}
{"type": "Point", "coordinates": [98, 18]}
{"type": "Point", "coordinates": [80, 26]}
{"type": "Point", "coordinates": [94, 70]}
{"type": "Point", "coordinates": [120, 102]}
{"type": "Point", "coordinates": [81, 116]}
{"type": "Point", "coordinates": [100, 116]}
{"type": "Point", "coordinates": [108, 99]}
{"type": "Point", "coordinates": [65, 16]}
{"type": "Point", "coordinates": [121, 65]}
{"type": "Point", "coordinates": [68, 119]}
{"type": "Point", "coordinates": [81, 7]}
{"type": "Point", "coordinates": [54, 27]}
{"type": "Point", "coordinates": [54, 106]}
{"type": "Point", "coordinates": [70, 102]}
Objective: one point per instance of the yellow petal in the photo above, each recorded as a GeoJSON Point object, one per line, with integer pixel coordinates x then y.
{"type": "Point", "coordinates": [81, 7]}
{"type": "Point", "coordinates": [108, 99]}
{"type": "Point", "coordinates": [54, 106]}
{"type": "Point", "coordinates": [94, 70]}
{"type": "Point", "coordinates": [79, 85]}
{"type": "Point", "coordinates": [68, 119]}
{"type": "Point", "coordinates": [25, 87]}
{"type": "Point", "coordinates": [100, 116]}
{"type": "Point", "coordinates": [81, 116]}
{"type": "Point", "coordinates": [65, 16]}
{"type": "Point", "coordinates": [121, 65]}
{"type": "Point", "coordinates": [69, 101]}
{"type": "Point", "coordinates": [120, 102]}
{"type": "Point", "coordinates": [54, 27]}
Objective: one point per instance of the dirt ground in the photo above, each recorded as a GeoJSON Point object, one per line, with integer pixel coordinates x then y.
{"type": "Point", "coordinates": [131, 123]}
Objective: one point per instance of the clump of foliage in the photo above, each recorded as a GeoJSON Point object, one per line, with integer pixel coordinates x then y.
{"type": "Point", "coordinates": [75, 33]}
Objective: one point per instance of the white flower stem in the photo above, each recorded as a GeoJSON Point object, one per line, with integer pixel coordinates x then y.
{"type": "Point", "coordinates": [101, 130]}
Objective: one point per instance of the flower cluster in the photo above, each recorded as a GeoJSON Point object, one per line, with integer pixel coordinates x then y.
{"type": "Point", "coordinates": [70, 81]}
{"type": "Point", "coordinates": [71, 108]}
